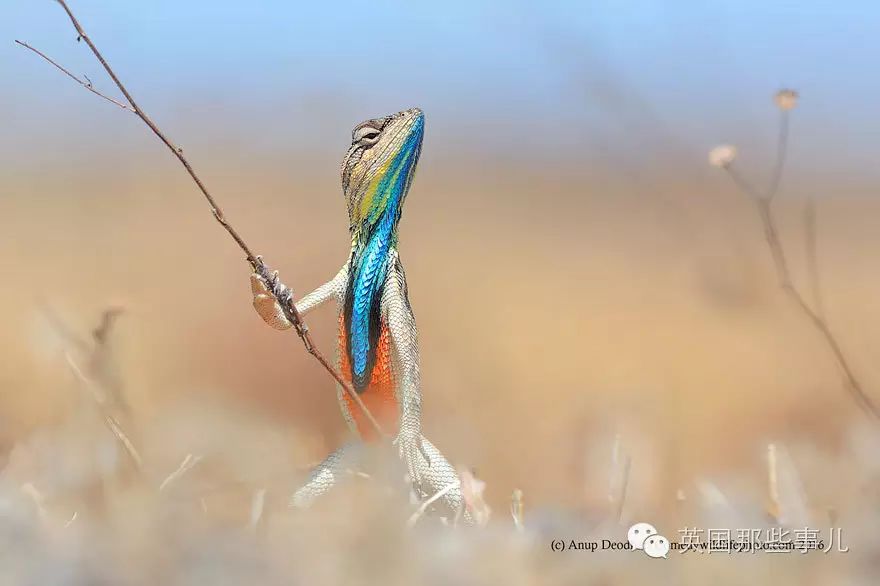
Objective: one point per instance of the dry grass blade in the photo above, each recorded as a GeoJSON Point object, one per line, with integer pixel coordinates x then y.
{"type": "Point", "coordinates": [106, 397]}
{"type": "Point", "coordinates": [517, 509]}
{"type": "Point", "coordinates": [787, 494]}
{"type": "Point", "coordinates": [109, 420]}
{"type": "Point", "coordinates": [258, 506]}
{"type": "Point", "coordinates": [36, 497]}
{"type": "Point", "coordinates": [71, 520]}
{"type": "Point", "coordinates": [414, 518]}
{"type": "Point", "coordinates": [773, 480]}
{"type": "Point", "coordinates": [188, 463]}
{"type": "Point", "coordinates": [621, 498]}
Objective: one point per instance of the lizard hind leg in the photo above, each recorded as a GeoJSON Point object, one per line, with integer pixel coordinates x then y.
{"type": "Point", "coordinates": [334, 469]}
{"type": "Point", "coordinates": [437, 475]}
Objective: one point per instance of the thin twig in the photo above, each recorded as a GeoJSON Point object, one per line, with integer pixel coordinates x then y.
{"type": "Point", "coordinates": [424, 506]}
{"type": "Point", "coordinates": [811, 237]}
{"type": "Point", "coordinates": [285, 298]}
{"type": "Point", "coordinates": [86, 84]}
{"type": "Point", "coordinates": [771, 234]}
{"type": "Point", "coordinates": [255, 261]}
{"type": "Point", "coordinates": [781, 152]}
{"type": "Point", "coordinates": [742, 183]}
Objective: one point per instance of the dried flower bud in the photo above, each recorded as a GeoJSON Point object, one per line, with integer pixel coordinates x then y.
{"type": "Point", "coordinates": [786, 99]}
{"type": "Point", "coordinates": [722, 156]}
{"type": "Point", "coordinates": [472, 493]}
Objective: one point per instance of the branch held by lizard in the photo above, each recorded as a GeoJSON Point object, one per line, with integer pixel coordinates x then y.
{"type": "Point", "coordinates": [286, 300]}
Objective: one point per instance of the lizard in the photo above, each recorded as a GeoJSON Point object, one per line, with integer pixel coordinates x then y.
{"type": "Point", "coordinates": [378, 350]}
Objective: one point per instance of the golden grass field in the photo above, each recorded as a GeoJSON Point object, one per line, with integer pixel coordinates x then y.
{"type": "Point", "coordinates": [559, 309]}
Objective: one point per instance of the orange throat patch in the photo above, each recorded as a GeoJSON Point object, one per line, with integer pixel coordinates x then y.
{"type": "Point", "coordinates": [379, 396]}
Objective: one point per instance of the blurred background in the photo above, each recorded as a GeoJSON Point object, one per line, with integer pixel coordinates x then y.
{"type": "Point", "coordinates": [578, 271]}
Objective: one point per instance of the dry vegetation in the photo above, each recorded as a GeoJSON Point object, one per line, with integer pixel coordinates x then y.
{"type": "Point", "coordinates": [203, 500]}
{"type": "Point", "coordinates": [196, 491]}
{"type": "Point", "coordinates": [100, 486]}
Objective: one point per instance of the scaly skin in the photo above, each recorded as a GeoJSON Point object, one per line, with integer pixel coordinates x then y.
{"type": "Point", "coordinates": [378, 341]}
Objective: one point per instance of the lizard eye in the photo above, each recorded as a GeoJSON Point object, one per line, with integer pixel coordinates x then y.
{"type": "Point", "coordinates": [365, 135]}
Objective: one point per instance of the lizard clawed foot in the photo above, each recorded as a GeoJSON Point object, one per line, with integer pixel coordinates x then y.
{"type": "Point", "coordinates": [415, 457]}
{"type": "Point", "coordinates": [263, 285]}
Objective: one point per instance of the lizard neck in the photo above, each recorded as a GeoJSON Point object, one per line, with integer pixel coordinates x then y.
{"type": "Point", "coordinates": [371, 261]}
{"type": "Point", "coordinates": [374, 216]}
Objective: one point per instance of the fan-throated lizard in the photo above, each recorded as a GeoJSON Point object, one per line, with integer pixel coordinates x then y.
{"type": "Point", "coordinates": [378, 349]}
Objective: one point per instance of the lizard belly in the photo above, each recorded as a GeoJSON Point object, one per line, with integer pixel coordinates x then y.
{"type": "Point", "coordinates": [379, 395]}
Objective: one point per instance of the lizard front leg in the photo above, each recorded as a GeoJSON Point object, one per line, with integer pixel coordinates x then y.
{"type": "Point", "coordinates": [266, 289]}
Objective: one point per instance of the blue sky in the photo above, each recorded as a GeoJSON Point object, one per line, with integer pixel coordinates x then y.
{"type": "Point", "coordinates": [549, 77]}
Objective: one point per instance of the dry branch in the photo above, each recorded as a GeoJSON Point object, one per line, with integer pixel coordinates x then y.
{"type": "Point", "coordinates": [763, 202]}
{"type": "Point", "coordinates": [282, 294]}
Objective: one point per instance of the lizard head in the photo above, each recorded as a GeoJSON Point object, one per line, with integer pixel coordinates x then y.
{"type": "Point", "coordinates": [378, 168]}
